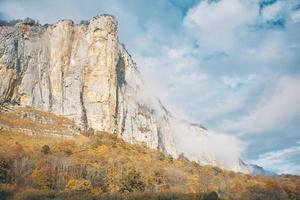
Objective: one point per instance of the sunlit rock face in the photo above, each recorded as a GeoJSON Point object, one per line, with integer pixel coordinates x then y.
{"type": "Point", "coordinates": [84, 73]}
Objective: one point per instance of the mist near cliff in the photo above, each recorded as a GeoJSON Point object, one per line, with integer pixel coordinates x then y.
{"type": "Point", "coordinates": [208, 147]}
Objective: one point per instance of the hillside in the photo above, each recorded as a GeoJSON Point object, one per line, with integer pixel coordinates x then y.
{"type": "Point", "coordinates": [36, 164]}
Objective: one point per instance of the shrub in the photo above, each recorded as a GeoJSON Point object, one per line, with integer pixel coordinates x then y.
{"type": "Point", "coordinates": [33, 194]}
{"type": "Point", "coordinates": [4, 170]}
{"type": "Point", "coordinates": [6, 191]}
{"type": "Point", "coordinates": [152, 196]}
{"type": "Point", "coordinates": [97, 191]}
{"type": "Point", "coordinates": [170, 159]}
{"type": "Point", "coordinates": [45, 149]}
{"type": "Point", "coordinates": [73, 195]}
{"type": "Point", "coordinates": [9, 23]}
{"type": "Point", "coordinates": [131, 182]}
{"type": "Point", "coordinates": [211, 196]}
{"type": "Point", "coordinates": [42, 178]}
{"type": "Point", "coordinates": [68, 152]}
{"type": "Point", "coordinates": [30, 21]}
{"type": "Point", "coordinates": [183, 158]}
{"type": "Point", "coordinates": [67, 147]}
{"type": "Point", "coordinates": [79, 185]}
{"type": "Point", "coordinates": [3, 23]}
{"type": "Point", "coordinates": [111, 196]}
{"type": "Point", "coordinates": [84, 22]}
{"type": "Point", "coordinates": [160, 156]}
{"type": "Point", "coordinates": [14, 22]}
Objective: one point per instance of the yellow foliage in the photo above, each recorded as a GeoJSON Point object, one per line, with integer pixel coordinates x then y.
{"type": "Point", "coordinates": [102, 150]}
{"type": "Point", "coordinates": [108, 157]}
{"type": "Point", "coordinates": [97, 191]}
{"type": "Point", "coordinates": [235, 186]}
{"type": "Point", "coordinates": [41, 178]}
{"type": "Point", "coordinates": [79, 185]}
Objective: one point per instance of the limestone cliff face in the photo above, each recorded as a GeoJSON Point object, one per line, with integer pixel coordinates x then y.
{"type": "Point", "coordinates": [84, 73]}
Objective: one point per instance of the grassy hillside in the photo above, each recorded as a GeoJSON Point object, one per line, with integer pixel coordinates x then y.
{"type": "Point", "coordinates": [100, 166]}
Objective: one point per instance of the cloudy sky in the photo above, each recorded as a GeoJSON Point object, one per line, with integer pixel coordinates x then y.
{"type": "Point", "coordinates": [231, 65]}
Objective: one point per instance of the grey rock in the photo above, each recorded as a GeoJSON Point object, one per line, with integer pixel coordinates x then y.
{"type": "Point", "coordinates": [82, 72]}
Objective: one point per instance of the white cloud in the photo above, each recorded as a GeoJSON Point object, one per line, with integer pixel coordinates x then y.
{"type": "Point", "coordinates": [282, 161]}
{"type": "Point", "coordinates": [270, 12]}
{"type": "Point", "coordinates": [295, 17]}
{"type": "Point", "coordinates": [234, 82]}
{"type": "Point", "coordinates": [223, 107]}
{"type": "Point", "coordinates": [237, 28]}
{"type": "Point", "coordinates": [278, 105]}
{"type": "Point", "coordinates": [173, 76]}
{"type": "Point", "coordinates": [216, 24]}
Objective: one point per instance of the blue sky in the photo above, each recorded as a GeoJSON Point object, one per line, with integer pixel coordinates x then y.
{"type": "Point", "coordinates": [231, 65]}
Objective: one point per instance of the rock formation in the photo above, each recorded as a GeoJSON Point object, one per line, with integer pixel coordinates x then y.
{"type": "Point", "coordinates": [84, 73]}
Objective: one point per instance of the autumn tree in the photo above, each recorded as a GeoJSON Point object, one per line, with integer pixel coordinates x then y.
{"type": "Point", "coordinates": [42, 178]}
{"type": "Point", "coordinates": [131, 182]}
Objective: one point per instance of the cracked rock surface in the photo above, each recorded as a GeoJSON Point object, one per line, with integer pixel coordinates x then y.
{"type": "Point", "coordinates": [84, 73]}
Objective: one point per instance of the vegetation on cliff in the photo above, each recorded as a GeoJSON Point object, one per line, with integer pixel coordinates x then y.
{"type": "Point", "coordinates": [101, 166]}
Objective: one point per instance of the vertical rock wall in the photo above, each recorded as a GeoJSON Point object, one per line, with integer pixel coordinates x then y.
{"type": "Point", "coordinates": [84, 73]}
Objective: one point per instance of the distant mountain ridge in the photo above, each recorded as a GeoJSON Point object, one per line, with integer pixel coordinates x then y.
{"type": "Point", "coordinates": [255, 169]}
{"type": "Point", "coordinates": [84, 73]}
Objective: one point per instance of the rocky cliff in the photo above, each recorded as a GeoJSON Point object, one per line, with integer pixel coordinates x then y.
{"type": "Point", "coordinates": [85, 73]}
